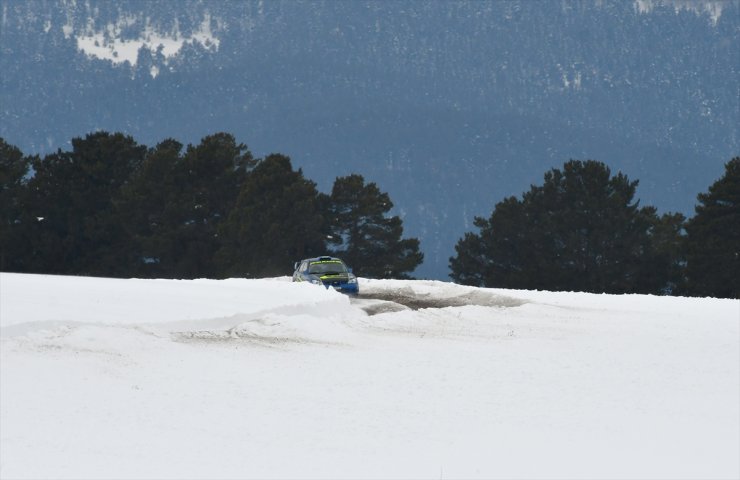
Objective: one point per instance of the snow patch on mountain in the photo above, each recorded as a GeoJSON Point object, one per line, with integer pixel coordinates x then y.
{"type": "Point", "coordinates": [111, 44]}
{"type": "Point", "coordinates": [711, 8]}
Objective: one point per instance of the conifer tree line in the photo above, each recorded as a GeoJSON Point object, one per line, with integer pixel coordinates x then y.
{"type": "Point", "coordinates": [583, 230]}
{"type": "Point", "coordinates": [112, 207]}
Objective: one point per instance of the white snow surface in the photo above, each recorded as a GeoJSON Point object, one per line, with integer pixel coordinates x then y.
{"type": "Point", "coordinates": [107, 378]}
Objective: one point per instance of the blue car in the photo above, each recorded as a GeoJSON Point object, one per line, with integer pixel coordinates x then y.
{"type": "Point", "coordinates": [330, 272]}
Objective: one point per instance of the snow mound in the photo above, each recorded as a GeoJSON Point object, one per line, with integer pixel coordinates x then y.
{"type": "Point", "coordinates": [41, 302]}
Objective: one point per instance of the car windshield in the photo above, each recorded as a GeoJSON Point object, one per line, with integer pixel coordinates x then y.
{"type": "Point", "coordinates": [327, 267]}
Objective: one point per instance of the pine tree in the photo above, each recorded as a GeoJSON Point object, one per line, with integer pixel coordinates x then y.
{"type": "Point", "coordinates": [176, 202]}
{"type": "Point", "coordinates": [72, 194]}
{"type": "Point", "coordinates": [665, 274]}
{"type": "Point", "coordinates": [364, 236]}
{"type": "Point", "coordinates": [148, 208]}
{"type": "Point", "coordinates": [14, 168]}
{"type": "Point", "coordinates": [580, 231]}
{"type": "Point", "coordinates": [483, 258]}
{"type": "Point", "coordinates": [276, 221]}
{"type": "Point", "coordinates": [713, 238]}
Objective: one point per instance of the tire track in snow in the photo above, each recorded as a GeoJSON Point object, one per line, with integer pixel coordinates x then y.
{"type": "Point", "coordinates": [394, 300]}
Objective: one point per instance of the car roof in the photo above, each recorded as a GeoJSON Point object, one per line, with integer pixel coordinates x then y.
{"type": "Point", "coordinates": [323, 259]}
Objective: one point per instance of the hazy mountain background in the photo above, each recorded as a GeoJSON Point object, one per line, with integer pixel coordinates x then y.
{"type": "Point", "coordinates": [448, 106]}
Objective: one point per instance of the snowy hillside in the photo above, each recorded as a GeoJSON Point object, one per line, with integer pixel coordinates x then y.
{"type": "Point", "coordinates": [104, 378]}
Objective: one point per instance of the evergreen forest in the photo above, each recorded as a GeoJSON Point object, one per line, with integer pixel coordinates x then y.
{"type": "Point", "coordinates": [112, 207]}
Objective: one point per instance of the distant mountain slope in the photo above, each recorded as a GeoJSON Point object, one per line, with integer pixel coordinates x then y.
{"type": "Point", "coordinates": [448, 106]}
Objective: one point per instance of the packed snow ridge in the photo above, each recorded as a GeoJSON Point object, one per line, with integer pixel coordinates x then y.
{"type": "Point", "coordinates": [109, 378]}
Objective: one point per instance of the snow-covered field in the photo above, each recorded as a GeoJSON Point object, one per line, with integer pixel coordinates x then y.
{"type": "Point", "coordinates": [104, 378]}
